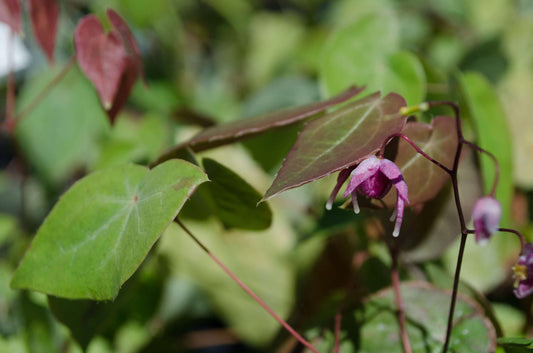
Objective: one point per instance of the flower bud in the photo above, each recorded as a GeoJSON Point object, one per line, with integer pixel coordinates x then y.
{"type": "Point", "coordinates": [486, 214]}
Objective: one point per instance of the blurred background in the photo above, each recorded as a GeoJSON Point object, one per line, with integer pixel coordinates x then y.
{"type": "Point", "coordinates": [213, 61]}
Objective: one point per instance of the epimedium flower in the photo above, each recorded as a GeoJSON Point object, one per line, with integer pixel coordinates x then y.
{"type": "Point", "coordinates": [486, 214]}
{"type": "Point", "coordinates": [373, 178]}
{"type": "Point", "coordinates": [523, 272]}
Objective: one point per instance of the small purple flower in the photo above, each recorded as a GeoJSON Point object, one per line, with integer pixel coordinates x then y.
{"type": "Point", "coordinates": [374, 177]}
{"type": "Point", "coordinates": [486, 214]}
{"type": "Point", "coordinates": [523, 272]}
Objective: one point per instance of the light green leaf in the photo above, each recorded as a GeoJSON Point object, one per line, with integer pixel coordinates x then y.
{"type": "Point", "coordinates": [426, 315]}
{"type": "Point", "coordinates": [493, 135]}
{"type": "Point", "coordinates": [365, 53]}
{"type": "Point", "coordinates": [60, 133]}
{"type": "Point", "coordinates": [100, 231]}
{"type": "Point", "coordinates": [273, 41]}
{"type": "Point", "coordinates": [261, 262]}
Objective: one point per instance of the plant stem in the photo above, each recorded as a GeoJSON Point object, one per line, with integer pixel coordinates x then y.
{"type": "Point", "coordinates": [10, 94]}
{"type": "Point", "coordinates": [395, 276]}
{"type": "Point", "coordinates": [494, 160]}
{"type": "Point", "coordinates": [518, 234]}
{"type": "Point", "coordinates": [46, 90]}
{"type": "Point", "coordinates": [249, 291]}
{"type": "Point", "coordinates": [338, 321]}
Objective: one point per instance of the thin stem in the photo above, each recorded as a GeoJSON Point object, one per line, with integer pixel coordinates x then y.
{"type": "Point", "coordinates": [418, 149]}
{"type": "Point", "coordinates": [494, 160]}
{"type": "Point", "coordinates": [249, 291]}
{"type": "Point", "coordinates": [10, 94]}
{"type": "Point", "coordinates": [518, 234]}
{"type": "Point", "coordinates": [454, 292]}
{"type": "Point", "coordinates": [46, 90]}
{"type": "Point", "coordinates": [338, 322]}
{"type": "Point", "coordinates": [455, 108]}
{"type": "Point", "coordinates": [395, 276]}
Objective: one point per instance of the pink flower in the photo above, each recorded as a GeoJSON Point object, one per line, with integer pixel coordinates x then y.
{"type": "Point", "coordinates": [523, 272]}
{"type": "Point", "coordinates": [374, 177]}
{"type": "Point", "coordinates": [486, 214]}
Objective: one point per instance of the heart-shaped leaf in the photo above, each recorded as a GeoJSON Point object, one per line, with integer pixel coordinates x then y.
{"type": "Point", "coordinates": [132, 47]}
{"type": "Point", "coordinates": [239, 130]}
{"type": "Point", "coordinates": [425, 309]}
{"type": "Point", "coordinates": [44, 17]}
{"type": "Point", "coordinates": [10, 13]}
{"type": "Point", "coordinates": [101, 56]}
{"type": "Point", "coordinates": [366, 52]}
{"type": "Point", "coordinates": [338, 140]}
{"type": "Point", "coordinates": [235, 200]}
{"type": "Point", "coordinates": [439, 141]}
{"type": "Point", "coordinates": [103, 227]}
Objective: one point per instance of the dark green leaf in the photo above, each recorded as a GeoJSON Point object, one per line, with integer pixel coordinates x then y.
{"type": "Point", "coordinates": [235, 200]}
{"type": "Point", "coordinates": [103, 227]}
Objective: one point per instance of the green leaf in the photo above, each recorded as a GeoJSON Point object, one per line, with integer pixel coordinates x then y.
{"type": "Point", "coordinates": [338, 140]}
{"type": "Point", "coordinates": [365, 53]}
{"type": "Point", "coordinates": [224, 134]}
{"type": "Point", "coordinates": [493, 135]}
{"type": "Point", "coordinates": [60, 133]}
{"type": "Point", "coordinates": [261, 262]}
{"type": "Point", "coordinates": [274, 39]}
{"type": "Point", "coordinates": [516, 344]}
{"type": "Point", "coordinates": [103, 227]}
{"type": "Point", "coordinates": [426, 310]}
{"type": "Point", "coordinates": [235, 200]}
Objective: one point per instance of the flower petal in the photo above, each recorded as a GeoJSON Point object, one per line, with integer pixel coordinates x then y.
{"type": "Point", "coordinates": [362, 172]}
{"type": "Point", "coordinates": [355, 204]}
{"type": "Point", "coordinates": [393, 173]}
{"type": "Point", "coordinates": [341, 178]}
{"type": "Point", "coordinates": [400, 204]}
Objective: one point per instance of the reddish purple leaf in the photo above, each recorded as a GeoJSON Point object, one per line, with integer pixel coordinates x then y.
{"type": "Point", "coordinates": [219, 135]}
{"type": "Point", "coordinates": [10, 14]}
{"type": "Point", "coordinates": [424, 179]}
{"type": "Point", "coordinates": [44, 17]}
{"type": "Point", "coordinates": [338, 140]}
{"type": "Point", "coordinates": [132, 47]}
{"type": "Point", "coordinates": [124, 89]}
{"type": "Point", "coordinates": [101, 56]}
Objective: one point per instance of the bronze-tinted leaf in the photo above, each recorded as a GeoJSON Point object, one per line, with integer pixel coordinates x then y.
{"type": "Point", "coordinates": [101, 56]}
{"type": "Point", "coordinates": [339, 139]}
{"type": "Point", "coordinates": [239, 130]}
{"type": "Point", "coordinates": [439, 140]}
{"type": "Point", "coordinates": [10, 14]}
{"type": "Point", "coordinates": [131, 45]}
{"type": "Point", "coordinates": [44, 18]}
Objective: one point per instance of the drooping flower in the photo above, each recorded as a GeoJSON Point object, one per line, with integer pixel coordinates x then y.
{"type": "Point", "coordinates": [486, 214]}
{"type": "Point", "coordinates": [523, 272]}
{"type": "Point", "coordinates": [373, 178]}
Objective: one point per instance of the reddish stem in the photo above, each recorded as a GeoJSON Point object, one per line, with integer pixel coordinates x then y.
{"type": "Point", "coordinates": [249, 291]}
{"type": "Point", "coordinates": [10, 94]}
{"type": "Point", "coordinates": [496, 165]}
{"type": "Point", "coordinates": [395, 276]}
{"type": "Point", "coordinates": [518, 234]}
{"type": "Point", "coordinates": [46, 90]}
{"type": "Point", "coordinates": [338, 321]}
